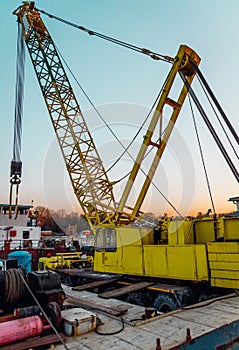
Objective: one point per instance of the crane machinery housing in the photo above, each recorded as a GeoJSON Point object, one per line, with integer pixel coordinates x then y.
{"type": "Point", "coordinates": [200, 253]}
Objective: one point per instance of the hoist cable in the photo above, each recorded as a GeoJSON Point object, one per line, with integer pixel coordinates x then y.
{"type": "Point", "coordinates": [132, 141]}
{"type": "Point", "coordinates": [202, 157]}
{"type": "Point", "coordinates": [135, 136]}
{"type": "Point", "coordinates": [146, 155]}
{"type": "Point", "coordinates": [230, 127]}
{"type": "Point", "coordinates": [216, 114]}
{"type": "Point", "coordinates": [16, 164]}
{"type": "Point", "coordinates": [210, 127]}
{"type": "Point", "coordinates": [133, 47]}
{"type": "Point", "coordinates": [19, 95]}
{"type": "Point", "coordinates": [91, 103]}
{"type": "Point", "coordinates": [125, 149]}
{"type": "Point", "coordinates": [44, 313]}
{"type": "Point", "coordinates": [149, 151]}
{"type": "Point", "coordinates": [153, 55]}
{"type": "Point", "coordinates": [104, 121]}
{"type": "Point", "coordinates": [166, 199]}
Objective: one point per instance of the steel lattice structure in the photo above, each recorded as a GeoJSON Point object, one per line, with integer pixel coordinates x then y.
{"type": "Point", "coordinates": [89, 179]}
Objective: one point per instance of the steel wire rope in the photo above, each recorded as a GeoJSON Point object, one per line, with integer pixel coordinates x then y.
{"type": "Point", "coordinates": [44, 314]}
{"type": "Point", "coordinates": [14, 289]}
{"type": "Point", "coordinates": [202, 156]}
{"type": "Point", "coordinates": [167, 200]}
{"type": "Point", "coordinates": [126, 149]}
{"type": "Point", "coordinates": [133, 139]}
{"type": "Point", "coordinates": [89, 100]}
{"type": "Point", "coordinates": [118, 42]}
{"type": "Point", "coordinates": [16, 164]}
{"type": "Point", "coordinates": [133, 47]}
{"type": "Point", "coordinates": [211, 128]}
{"type": "Point", "coordinates": [13, 286]}
{"type": "Point", "coordinates": [153, 55]}
{"type": "Point", "coordinates": [216, 114]}
{"type": "Point", "coordinates": [226, 120]}
{"type": "Point", "coordinates": [146, 155]}
{"type": "Point", "coordinates": [105, 123]}
{"type": "Point", "coordinates": [19, 95]}
{"type": "Point", "coordinates": [10, 290]}
{"type": "Point", "coordinates": [121, 43]}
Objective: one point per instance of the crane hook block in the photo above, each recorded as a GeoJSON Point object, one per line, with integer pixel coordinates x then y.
{"type": "Point", "coordinates": [16, 172]}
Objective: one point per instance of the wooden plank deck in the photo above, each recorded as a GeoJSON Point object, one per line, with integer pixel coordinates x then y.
{"type": "Point", "coordinates": [124, 290]}
{"type": "Point", "coordinates": [95, 284]}
{"type": "Point", "coordinates": [96, 305]}
{"type": "Point", "coordinates": [139, 334]}
{"type": "Point", "coordinates": [35, 342]}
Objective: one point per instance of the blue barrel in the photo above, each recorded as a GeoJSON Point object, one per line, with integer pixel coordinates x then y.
{"type": "Point", "coordinates": [23, 258]}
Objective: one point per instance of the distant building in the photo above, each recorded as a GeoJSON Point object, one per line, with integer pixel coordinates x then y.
{"type": "Point", "coordinates": [71, 230]}
{"type": "Point", "coordinates": [20, 231]}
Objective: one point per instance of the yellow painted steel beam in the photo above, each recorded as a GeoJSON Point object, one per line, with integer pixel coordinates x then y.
{"type": "Point", "coordinates": [182, 64]}
{"type": "Point", "coordinates": [85, 168]}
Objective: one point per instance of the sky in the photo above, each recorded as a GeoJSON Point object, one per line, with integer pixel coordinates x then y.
{"type": "Point", "coordinates": [123, 84]}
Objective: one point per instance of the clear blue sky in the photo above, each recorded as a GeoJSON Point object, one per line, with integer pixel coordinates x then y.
{"type": "Point", "coordinates": [124, 84]}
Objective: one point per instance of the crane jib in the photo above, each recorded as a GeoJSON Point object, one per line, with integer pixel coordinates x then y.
{"type": "Point", "coordinates": [89, 179]}
{"type": "Point", "coordinates": [87, 174]}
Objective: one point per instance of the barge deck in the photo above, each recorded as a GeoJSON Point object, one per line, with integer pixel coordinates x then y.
{"type": "Point", "coordinates": [180, 329]}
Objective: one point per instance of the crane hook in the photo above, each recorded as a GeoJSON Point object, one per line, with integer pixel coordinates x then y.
{"type": "Point", "coordinates": [15, 180]}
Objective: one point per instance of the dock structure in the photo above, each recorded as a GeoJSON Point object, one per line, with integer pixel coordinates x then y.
{"type": "Point", "coordinates": [210, 321]}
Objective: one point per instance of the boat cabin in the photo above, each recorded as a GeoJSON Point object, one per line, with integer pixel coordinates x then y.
{"type": "Point", "coordinates": [18, 231]}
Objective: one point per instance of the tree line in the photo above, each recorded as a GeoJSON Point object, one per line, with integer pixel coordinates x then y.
{"type": "Point", "coordinates": [58, 221]}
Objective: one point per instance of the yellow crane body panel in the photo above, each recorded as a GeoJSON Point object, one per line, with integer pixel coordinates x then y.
{"type": "Point", "coordinates": [132, 256]}
{"type": "Point", "coordinates": [204, 230]}
{"type": "Point", "coordinates": [192, 250]}
{"type": "Point", "coordinates": [184, 262]}
{"type": "Point", "coordinates": [223, 259]}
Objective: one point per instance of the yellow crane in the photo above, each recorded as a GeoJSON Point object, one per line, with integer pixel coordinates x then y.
{"type": "Point", "coordinates": [88, 176]}
{"type": "Point", "coordinates": [189, 250]}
